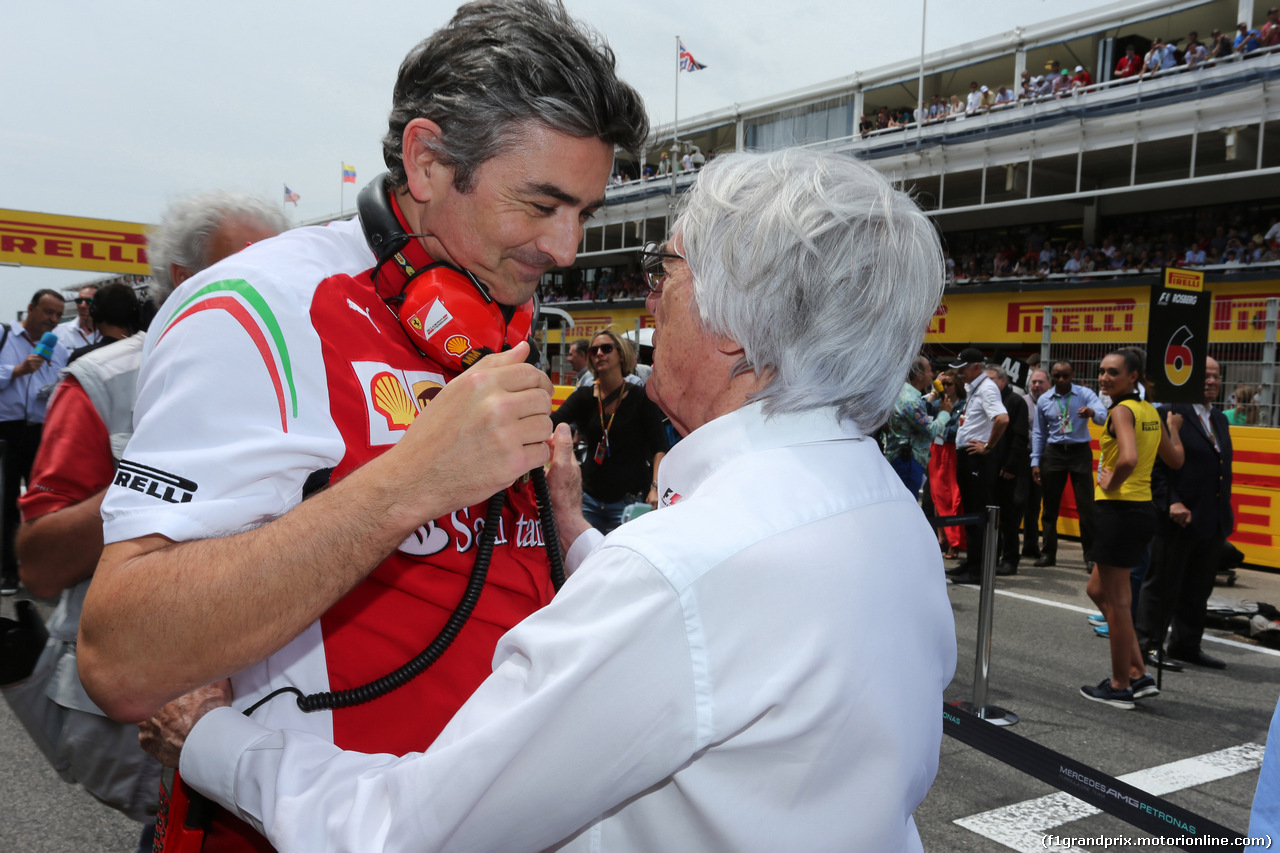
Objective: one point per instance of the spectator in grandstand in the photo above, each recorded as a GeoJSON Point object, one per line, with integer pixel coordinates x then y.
{"type": "Point", "coordinates": [1130, 65]}
{"type": "Point", "coordinates": [1196, 54]}
{"type": "Point", "coordinates": [943, 487]}
{"type": "Point", "coordinates": [623, 431]}
{"type": "Point", "coordinates": [1060, 451]}
{"type": "Point", "coordinates": [909, 433]}
{"type": "Point", "coordinates": [1061, 84]}
{"type": "Point", "coordinates": [1126, 519]}
{"type": "Point", "coordinates": [80, 332]}
{"type": "Point", "coordinates": [984, 422]}
{"type": "Point", "coordinates": [1003, 96]}
{"type": "Point", "coordinates": [974, 103]}
{"type": "Point", "coordinates": [1194, 256]}
{"type": "Point", "coordinates": [1269, 34]}
{"type": "Point", "coordinates": [956, 107]}
{"type": "Point", "coordinates": [1246, 39]}
{"type": "Point", "coordinates": [1012, 459]}
{"type": "Point", "coordinates": [1219, 45]}
{"type": "Point", "coordinates": [1081, 78]}
{"type": "Point", "coordinates": [1193, 505]}
{"type": "Point", "coordinates": [1245, 412]}
{"type": "Point", "coordinates": [1044, 86]}
{"type": "Point", "coordinates": [578, 360]}
{"type": "Point", "coordinates": [1037, 384]}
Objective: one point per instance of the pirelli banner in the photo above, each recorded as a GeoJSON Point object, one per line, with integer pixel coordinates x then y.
{"type": "Point", "coordinates": [72, 243]}
{"type": "Point", "coordinates": [1178, 337]}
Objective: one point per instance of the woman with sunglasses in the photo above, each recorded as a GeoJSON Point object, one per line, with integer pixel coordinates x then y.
{"type": "Point", "coordinates": [943, 488]}
{"type": "Point", "coordinates": [623, 431]}
{"type": "Point", "coordinates": [1125, 518]}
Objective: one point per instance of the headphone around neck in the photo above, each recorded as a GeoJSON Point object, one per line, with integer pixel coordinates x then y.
{"type": "Point", "coordinates": [446, 311]}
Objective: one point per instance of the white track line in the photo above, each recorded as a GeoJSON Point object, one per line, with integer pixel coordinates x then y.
{"type": "Point", "coordinates": [1235, 644]}
{"type": "Point", "coordinates": [1022, 826]}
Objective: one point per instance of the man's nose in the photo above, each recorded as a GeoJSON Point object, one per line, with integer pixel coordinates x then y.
{"type": "Point", "coordinates": [561, 239]}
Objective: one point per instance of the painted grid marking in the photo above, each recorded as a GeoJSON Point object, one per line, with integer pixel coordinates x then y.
{"type": "Point", "coordinates": [1021, 826]}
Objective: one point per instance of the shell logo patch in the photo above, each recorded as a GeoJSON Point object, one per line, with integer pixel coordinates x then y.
{"type": "Point", "coordinates": [393, 397]}
{"type": "Point", "coordinates": [392, 402]}
{"type": "Point", "coordinates": [457, 345]}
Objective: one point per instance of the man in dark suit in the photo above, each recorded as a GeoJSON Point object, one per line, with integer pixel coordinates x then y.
{"type": "Point", "coordinates": [1194, 504]}
{"type": "Point", "coordinates": [1012, 457]}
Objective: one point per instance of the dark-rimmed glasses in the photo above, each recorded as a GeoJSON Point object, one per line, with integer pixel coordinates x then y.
{"type": "Point", "coordinates": [84, 300]}
{"type": "Point", "coordinates": [607, 349]}
{"type": "Point", "coordinates": [651, 260]}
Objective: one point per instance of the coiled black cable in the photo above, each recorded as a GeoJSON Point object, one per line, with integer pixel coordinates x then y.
{"type": "Point", "coordinates": [475, 585]}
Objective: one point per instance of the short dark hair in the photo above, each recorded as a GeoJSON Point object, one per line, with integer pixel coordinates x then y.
{"type": "Point", "coordinates": [43, 292]}
{"type": "Point", "coordinates": [580, 346]}
{"type": "Point", "coordinates": [500, 65]}
{"type": "Point", "coordinates": [117, 304]}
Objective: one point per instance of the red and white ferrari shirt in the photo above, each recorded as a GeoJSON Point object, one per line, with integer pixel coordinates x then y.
{"type": "Point", "coordinates": [276, 363]}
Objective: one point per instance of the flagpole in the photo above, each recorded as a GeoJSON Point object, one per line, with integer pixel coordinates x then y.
{"type": "Point", "coordinates": [675, 136]}
{"type": "Point", "coordinates": [284, 191]}
{"type": "Point", "coordinates": [342, 190]}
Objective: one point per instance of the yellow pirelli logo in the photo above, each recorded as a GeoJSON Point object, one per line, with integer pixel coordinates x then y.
{"type": "Point", "coordinates": [1175, 279]}
{"type": "Point", "coordinates": [73, 243]}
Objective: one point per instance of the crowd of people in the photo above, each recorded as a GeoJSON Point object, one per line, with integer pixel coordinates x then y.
{"type": "Point", "coordinates": [973, 259]}
{"type": "Point", "coordinates": [1164, 56]}
{"type": "Point", "coordinates": [1153, 522]}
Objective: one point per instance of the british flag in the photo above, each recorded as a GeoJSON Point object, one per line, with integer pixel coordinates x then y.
{"type": "Point", "coordinates": [687, 62]}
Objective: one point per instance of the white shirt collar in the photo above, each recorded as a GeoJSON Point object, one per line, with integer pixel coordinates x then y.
{"type": "Point", "coordinates": [745, 430]}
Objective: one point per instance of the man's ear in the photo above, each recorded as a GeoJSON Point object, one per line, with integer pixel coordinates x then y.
{"type": "Point", "coordinates": [419, 158]}
{"type": "Point", "coordinates": [726, 345]}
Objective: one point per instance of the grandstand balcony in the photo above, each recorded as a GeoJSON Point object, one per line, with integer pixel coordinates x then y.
{"type": "Point", "coordinates": [1108, 149]}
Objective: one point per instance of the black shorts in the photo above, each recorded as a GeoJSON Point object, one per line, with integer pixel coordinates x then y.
{"type": "Point", "coordinates": [1122, 530]}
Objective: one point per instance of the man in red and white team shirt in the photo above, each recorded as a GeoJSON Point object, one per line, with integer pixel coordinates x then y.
{"type": "Point", "coordinates": [296, 369]}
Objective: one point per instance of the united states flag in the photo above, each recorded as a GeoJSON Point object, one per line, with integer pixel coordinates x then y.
{"type": "Point", "coordinates": [687, 62]}
{"type": "Point", "coordinates": [291, 196]}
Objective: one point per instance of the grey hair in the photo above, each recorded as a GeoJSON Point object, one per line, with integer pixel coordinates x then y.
{"type": "Point", "coordinates": [919, 365]}
{"type": "Point", "coordinates": [998, 370]}
{"type": "Point", "coordinates": [821, 271]}
{"type": "Point", "coordinates": [500, 65]}
{"type": "Point", "coordinates": [188, 226]}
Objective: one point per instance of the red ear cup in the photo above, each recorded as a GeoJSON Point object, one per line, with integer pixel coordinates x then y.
{"type": "Point", "coordinates": [453, 321]}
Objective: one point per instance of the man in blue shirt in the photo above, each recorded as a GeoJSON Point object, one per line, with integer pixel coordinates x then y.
{"type": "Point", "coordinates": [27, 377]}
{"type": "Point", "coordinates": [1060, 449]}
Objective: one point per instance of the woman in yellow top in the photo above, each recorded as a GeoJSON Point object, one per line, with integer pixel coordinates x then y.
{"type": "Point", "coordinates": [1125, 519]}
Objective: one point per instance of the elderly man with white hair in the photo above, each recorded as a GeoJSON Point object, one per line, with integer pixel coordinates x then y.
{"type": "Point", "coordinates": [709, 677]}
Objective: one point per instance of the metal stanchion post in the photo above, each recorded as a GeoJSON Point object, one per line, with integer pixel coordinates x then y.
{"type": "Point", "coordinates": [986, 603]}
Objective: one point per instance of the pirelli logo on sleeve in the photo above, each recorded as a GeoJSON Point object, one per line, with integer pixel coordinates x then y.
{"type": "Point", "coordinates": [155, 483]}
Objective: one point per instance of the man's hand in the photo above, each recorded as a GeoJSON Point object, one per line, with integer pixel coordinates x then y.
{"type": "Point", "coordinates": [164, 734]}
{"type": "Point", "coordinates": [976, 447]}
{"type": "Point", "coordinates": [946, 404]}
{"type": "Point", "coordinates": [564, 483]}
{"type": "Point", "coordinates": [1085, 412]}
{"type": "Point", "coordinates": [1035, 473]}
{"type": "Point", "coordinates": [1174, 421]}
{"type": "Point", "coordinates": [30, 364]}
{"type": "Point", "coordinates": [1007, 475]}
{"type": "Point", "coordinates": [481, 433]}
{"type": "Point", "coordinates": [1180, 514]}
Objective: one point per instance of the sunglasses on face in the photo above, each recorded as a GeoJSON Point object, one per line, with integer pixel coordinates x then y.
{"type": "Point", "coordinates": [652, 257]}
{"type": "Point", "coordinates": [607, 349]}
{"type": "Point", "coordinates": [84, 300]}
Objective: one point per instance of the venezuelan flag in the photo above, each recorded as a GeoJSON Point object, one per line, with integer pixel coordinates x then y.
{"type": "Point", "coordinates": [348, 174]}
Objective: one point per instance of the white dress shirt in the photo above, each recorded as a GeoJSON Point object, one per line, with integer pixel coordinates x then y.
{"type": "Point", "coordinates": [722, 675]}
{"type": "Point", "coordinates": [983, 407]}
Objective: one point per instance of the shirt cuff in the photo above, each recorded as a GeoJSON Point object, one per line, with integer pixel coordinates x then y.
{"type": "Point", "coordinates": [212, 753]}
{"type": "Point", "coordinates": [584, 546]}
